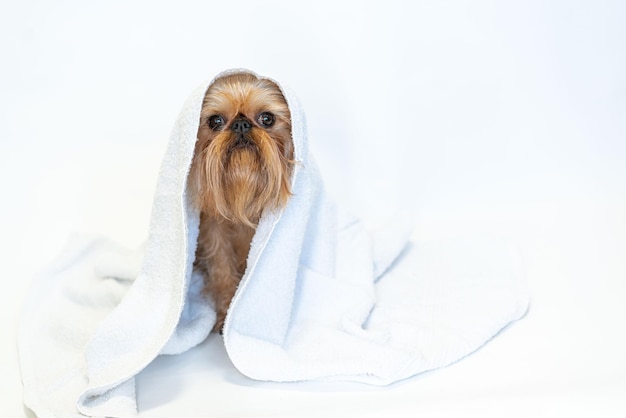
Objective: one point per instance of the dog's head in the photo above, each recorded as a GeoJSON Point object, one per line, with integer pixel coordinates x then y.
{"type": "Point", "coordinates": [244, 153]}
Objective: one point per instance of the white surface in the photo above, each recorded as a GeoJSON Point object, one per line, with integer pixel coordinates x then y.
{"type": "Point", "coordinates": [499, 120]}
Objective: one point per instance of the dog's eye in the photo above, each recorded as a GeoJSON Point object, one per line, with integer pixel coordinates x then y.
{"type": "Point", "coordinates": [216, 122]}
{"type": "Point", "coordinates": [266, 119]}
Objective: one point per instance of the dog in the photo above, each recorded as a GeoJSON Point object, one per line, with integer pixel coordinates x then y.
{"type": "Point", "coordinates": [242, 165]}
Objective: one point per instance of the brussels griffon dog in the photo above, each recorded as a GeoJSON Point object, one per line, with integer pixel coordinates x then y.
{"type": "Point", "coordinates": [241, 167]}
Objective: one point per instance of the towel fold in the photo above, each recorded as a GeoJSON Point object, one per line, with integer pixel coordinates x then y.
{"type": "Point", "coordinates": [322, 298]}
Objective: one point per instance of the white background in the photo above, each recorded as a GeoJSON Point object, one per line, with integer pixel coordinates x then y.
{"type": "Point", "coordinates": [497, 119]}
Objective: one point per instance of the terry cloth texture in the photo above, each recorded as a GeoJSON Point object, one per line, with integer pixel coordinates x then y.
{"type": "Point", "coordinates": [322, 297]}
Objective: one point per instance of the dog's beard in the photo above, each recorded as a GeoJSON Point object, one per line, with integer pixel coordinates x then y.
{"type": "Point", "coordinates": [242, 175]}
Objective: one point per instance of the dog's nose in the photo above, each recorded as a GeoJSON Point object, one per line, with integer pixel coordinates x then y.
{"type": "Point", "coordinates": [241, 126]}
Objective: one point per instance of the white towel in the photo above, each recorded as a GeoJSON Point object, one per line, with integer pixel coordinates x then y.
{"type": "Point", "coordinates": [322, 298]}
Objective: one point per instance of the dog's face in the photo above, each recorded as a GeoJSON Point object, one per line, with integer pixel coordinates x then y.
{"type": "Point", "coordinates": [243, 157]}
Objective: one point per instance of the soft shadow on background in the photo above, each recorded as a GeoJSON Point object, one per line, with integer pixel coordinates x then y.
{"type": "Point", "coordinates": [493, 119]}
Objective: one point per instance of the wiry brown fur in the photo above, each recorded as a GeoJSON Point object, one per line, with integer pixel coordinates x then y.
{"type": "Point", "coordinates": [232, 185]}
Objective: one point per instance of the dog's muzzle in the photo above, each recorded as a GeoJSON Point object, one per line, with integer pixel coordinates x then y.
{"type": "Point", "coordinates": [242, 141]}
{"type": "Point", "coordinates": [241, 127]}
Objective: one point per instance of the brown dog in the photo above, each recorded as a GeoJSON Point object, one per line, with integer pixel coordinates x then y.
{"type": "Point", "coordinates": [241, 167]}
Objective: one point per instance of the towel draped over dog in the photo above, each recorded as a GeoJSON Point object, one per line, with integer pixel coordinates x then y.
{"type": "Point", "coordinates": [322, 298]}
